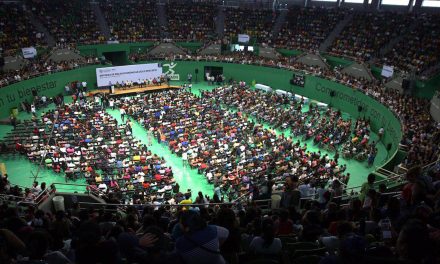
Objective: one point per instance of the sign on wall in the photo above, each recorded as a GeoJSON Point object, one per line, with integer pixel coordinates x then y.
{"type": "Point", "coordinates": [113, 75]}
{"type": "Point", "coordinates": [29, 52]}
{"type": "Point", "coordinates": [171, 72]}
{"type": "Point", "coordinates": [387, 71]}
{"type": "Point", "coordinates": [243, 38]}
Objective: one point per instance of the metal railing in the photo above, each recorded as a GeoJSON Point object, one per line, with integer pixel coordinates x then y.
{"type": "Point", "coordinates": [87, 188]}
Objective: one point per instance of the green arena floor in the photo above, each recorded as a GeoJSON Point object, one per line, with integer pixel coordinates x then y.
{"type": "Point", "coordinates": [21, 171]}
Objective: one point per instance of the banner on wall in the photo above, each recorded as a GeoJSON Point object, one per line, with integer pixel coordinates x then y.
{"type": "Point", "coordinates": [112, 75]}
{"type": "Point", "coordinates": [29, 52]}
{"type": "Point", "coordinates": [243, 38]}
{"type": "Point", "coordinates": [387, 71]}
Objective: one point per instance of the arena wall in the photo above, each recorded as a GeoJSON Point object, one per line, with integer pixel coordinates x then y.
{"type": "Point", "coordinates": [346, 99]}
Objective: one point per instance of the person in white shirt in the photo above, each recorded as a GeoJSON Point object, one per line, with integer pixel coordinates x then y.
{"type": "Point", "coordinates": [36, 189]}
{"type": "Point", "coordinates": [103, 187]}
{"type": "Point", "coordinates": [43, 100]}
{"type": "Point", "coordinates": [111, 103]}
{"type": "Point", "coordinates": [122, 112]}
{"type": "Point", "coordinates": [209, 176]}
{"type": "Point", "coordinates": [184, 159]}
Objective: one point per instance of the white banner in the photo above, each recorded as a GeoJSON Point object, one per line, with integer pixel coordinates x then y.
{"type": "Point", "coordinates": [243, 38]}
{"type": "Point", "coordinates": [29, 52]}
{"type": "Point", "coordinates": [112, 75]}
{"type": "Point", "coordinates": [387, 71]}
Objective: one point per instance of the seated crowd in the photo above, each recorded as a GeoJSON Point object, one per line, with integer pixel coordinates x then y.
{"type": "Point", "coordinates": [226, 147]}
{"type": "Point", "coordinates": [42, 65]}
{"type": "Point", "coordinates": [377, 227]}
{"type": "Point", "coordinates": [418, 50]}
{"type": "Point", "coordinates": [191, 22]}
{"type": "Point", "coordinates": [366, 33]}
{"type": "Point", "coordinates": [16, 30]}
{"type": "Point", "coordinates": [307, 28]}
{"type": "Point", "coordinates": [326, 127]}
{"type": "Point", "coordinates": [68, 21]}
{"type": "Point", "coordinates": [418, 125]}
{"type": "Point", "coordinates": [133, 20]}
{"type": "Point", "coordinates": [89, 143]}
{"type": "Point", "coordinates": [257, 23]}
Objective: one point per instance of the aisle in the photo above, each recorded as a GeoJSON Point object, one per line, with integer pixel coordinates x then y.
{"type": "Point", "coordinates": [186, 177]}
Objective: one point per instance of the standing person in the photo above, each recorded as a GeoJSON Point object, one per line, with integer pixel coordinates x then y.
{"type": "Point", "coordinates": [291, 195]}
{"type": "Point", "coordinates": [84, 86]}
{"type": "Point", "coordinates": [381, 132]}
{"type": "Point", "coordinates": [111, 103]}
{"type": "Point", "coordinates": [13, 120]}
{"type": "Point", "coordinates": [150, 138]}
{"type": "Point", "coordinates": [367, 186]}
{"type": "Point", "coordinates": [44, 100]}
{"type": "Point", "coordinates": [371, 158]}
{"type": "Point", "coordinates": [67, 89]}
{"type": "Point", "coordinates": [122, 111]}
{"type": "Point", "coordinates": [190, 77]}
{"type": "Point", "coordinates": [184, 159]}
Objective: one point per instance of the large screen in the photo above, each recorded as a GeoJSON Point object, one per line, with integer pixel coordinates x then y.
{"type": "Point", "coordinates": [112, 75]}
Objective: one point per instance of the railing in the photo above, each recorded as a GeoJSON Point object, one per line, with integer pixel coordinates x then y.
{"type": "Point", "coordinates": [140, 207]}
{"type": "Point", "coordinates": [95, 191]}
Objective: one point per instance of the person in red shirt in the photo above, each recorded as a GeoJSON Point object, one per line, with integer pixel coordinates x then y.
{"type": "Point", "coordinates": [284, 224]}
{"type": "Point", "coordinates": [158, 177]}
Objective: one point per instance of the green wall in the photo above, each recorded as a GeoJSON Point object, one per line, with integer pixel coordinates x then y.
{"type": "Point", "coordinates": [50, 85]}
{"type": "Point", "coordinates": [97, 50]}
{"type": "Point", "coordinates": [346, 99]}
{"type": "Point", "coordinates": [289, 53]}
{"type": "Point", "coordinates": [337, 61]}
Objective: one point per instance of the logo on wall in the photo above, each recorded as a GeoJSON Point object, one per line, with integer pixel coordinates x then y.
{"type": "Point", "coordinates": [170, 72]}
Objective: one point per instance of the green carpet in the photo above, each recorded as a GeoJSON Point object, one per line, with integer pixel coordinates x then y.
{"type": "Point", "coordinates": [21, 171]}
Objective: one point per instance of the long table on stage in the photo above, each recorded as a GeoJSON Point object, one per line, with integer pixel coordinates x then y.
{"type": "Point", "coordinates": [133, 90]}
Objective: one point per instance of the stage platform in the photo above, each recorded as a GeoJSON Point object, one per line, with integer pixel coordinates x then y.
{"type": "Point", "coordinates": [133, 90]}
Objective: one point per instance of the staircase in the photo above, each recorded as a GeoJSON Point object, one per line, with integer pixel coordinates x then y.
{"type": "Point", "coordinates": [220, 22]}
{"type": "Point", "coordinates": [41, 28]}
{"type": "Point", "coordinates": [335, 33]}
{"type": "Point", "coordinates": [279, 23]}
{"type": "Point", "coordinates": [100, 20]}
{"type": "Point", "coordinates": [162, 18]}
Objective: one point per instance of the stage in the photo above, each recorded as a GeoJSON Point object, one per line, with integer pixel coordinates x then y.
{"type": "Point", "coordinates": [133, 90]}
